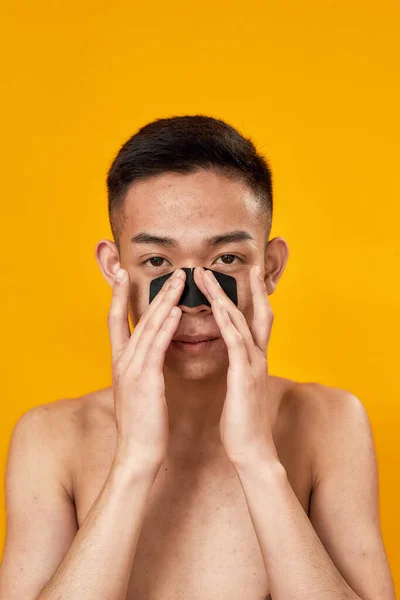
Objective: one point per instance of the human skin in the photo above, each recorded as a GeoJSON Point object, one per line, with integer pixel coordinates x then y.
{"type": "Point", "coordinates": [189, 208]}
{"type": "Point", "coordinates": [310, 424]}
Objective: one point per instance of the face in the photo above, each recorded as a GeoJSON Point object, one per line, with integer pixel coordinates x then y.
{"type": "Point", "coordinates": [190, 208]}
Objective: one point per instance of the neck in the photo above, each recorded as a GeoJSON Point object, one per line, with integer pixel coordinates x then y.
{"type": "Point", "coordinates": [194, 412]}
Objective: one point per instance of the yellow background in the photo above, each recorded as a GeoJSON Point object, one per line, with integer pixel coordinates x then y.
{"type": "Point", "coordinates": [314, 84]}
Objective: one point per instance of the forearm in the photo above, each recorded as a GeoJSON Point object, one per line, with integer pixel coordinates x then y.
{"type": "Point", "coordinates": [99, 561]}
{"type": "Point", "coordinates": [296, 562]}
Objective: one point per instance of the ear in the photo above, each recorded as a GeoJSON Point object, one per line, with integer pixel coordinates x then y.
{"type": "Point", "coordinates": [107, 257]}
{"type": "Point", "coordinates": [276, 257]}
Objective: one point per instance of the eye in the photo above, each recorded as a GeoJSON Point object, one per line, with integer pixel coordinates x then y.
{"type": "Point", "coordinates": [160, 258]}
{"type": "Point", "coordinates": [153, 258]}
{"type": "Point", "coordinates": [230, 255]}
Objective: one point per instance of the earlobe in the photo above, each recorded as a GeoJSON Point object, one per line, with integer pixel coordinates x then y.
{"type": "Point", "coordinates": [270, 285]}
{"type": "Point", "coordinates": [107, 257]}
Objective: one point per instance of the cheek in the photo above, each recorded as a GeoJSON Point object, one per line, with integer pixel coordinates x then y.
{"type": "Point", "coordinates": [245, 301]}
{"type": "Point", "coordinates": [244, 293]}
{"type": "Point", "coordinates": [138, 301]}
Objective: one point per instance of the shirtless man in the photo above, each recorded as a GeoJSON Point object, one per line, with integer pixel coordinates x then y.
{"type": "Point", "coordinates": [197, 475]}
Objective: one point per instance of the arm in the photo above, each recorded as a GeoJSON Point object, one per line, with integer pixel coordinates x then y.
{"type": "Point", "coordinates": [98, 562]}
{"type": "Point", "coordinates": [46, 556]}
{"type": "Point", "coordinates": [344, 507]}
{"type": "Point", "coordinates": [340, 553]}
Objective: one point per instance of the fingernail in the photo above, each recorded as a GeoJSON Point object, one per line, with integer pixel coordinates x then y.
{"type": "Point", "coordinates": [258, 272]}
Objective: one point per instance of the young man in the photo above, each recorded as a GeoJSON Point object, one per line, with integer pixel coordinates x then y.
{"type": "Point", "coordinates": [197, 475]}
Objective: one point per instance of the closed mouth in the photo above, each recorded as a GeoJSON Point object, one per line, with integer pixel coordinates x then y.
{"type": "Point", "coordinates": [194, 339]}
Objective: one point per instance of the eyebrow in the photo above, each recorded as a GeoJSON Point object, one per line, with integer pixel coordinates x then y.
{"type": "Point", "coordinates": [216, 240]}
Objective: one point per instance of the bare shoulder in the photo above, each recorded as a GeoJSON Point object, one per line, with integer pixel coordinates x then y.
{"type": "Point", "coordinates": [65, 416]}
{"type": "Point", "coordinates": [74, 415]}
{"type": "Point", "coordinates": [331, 419]}
{"type": "Point", "coordinates": [320, 404]}
{"type": "Point", "coordinates": [62, 424]}
{"type": "Point", "coordinates": [328, 407]}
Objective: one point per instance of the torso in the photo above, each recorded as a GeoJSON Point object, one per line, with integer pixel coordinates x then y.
{"type": "Point", "coordinates": [197, 540]}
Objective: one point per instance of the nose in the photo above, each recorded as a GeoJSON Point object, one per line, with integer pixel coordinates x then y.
{"type": "Point", "coordinates": [195, 309]}
{"type": "Point", "coordinates": [192, 295]}
{"type": "Point", "coordinates": [193, 300]}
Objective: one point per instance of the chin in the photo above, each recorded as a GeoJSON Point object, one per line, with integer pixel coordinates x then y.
{"type": "Point", "coordinates": [196, 370]}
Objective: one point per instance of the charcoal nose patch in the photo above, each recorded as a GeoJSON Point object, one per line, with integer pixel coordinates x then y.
{"type": "Point", "coordinates": [192, 295]}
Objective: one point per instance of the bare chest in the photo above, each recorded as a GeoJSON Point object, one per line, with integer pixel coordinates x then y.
{"type": "Point", "coordinates": [197, 539]}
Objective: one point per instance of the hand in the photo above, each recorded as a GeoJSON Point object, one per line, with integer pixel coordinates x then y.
{"type": "Point", "coordinates": [244, 425]}
{"type": "Point", "coordinates": [137, 370]}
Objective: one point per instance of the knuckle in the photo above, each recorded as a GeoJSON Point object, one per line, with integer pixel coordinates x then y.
{"type": "Point", "coordinates": [247, 382]}
{"type": "Point", "coordinates": [239, 339]}
{"type": "Point", "coordinates": [149, 327]}
{"type": "Point", "coordinates": [113, 314]}
{"type": "Point", "coordinates": [166, 296]}
{"type": "Point", "coordinates": [251, 380]}
{"type": "Point", "coordinates": [242, 318]}
{"type": "Point", "coordinates": [118, 370]}
{"type": "Point", "coordinates": [261, 368]}
{"type": "Point", "coordinates": [157, 348]}
{"type": "Point", "coordinates": [141, 386]}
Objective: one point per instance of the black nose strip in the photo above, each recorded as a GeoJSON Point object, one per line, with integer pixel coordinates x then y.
{"type": "Point", "coordinates": [192, 295]}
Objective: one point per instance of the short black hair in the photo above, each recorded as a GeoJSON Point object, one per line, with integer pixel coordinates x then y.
{"type": "Point", "coordinates": [185, 144]}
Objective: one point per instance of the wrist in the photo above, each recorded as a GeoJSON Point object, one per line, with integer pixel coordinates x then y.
{"type": "Point", "coordinates": [268, 468]}
{"type": "Point", "coordinates": [128, 466]}
{"type": "Point", "coordinates": [255, 454]}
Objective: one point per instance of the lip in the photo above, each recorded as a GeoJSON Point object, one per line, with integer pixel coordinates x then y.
{"type": "Point", "coordinates": [195, 347]}
{"type": "Point", "coordinates": [201, 337]}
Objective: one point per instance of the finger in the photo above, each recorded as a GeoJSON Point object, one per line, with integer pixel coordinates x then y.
{"type": "Point", "coordinates": [151, 309]}
{"type": "Point", "coordinates": [200, 277]}
{"type": "Point", "coordinates": [237, 350]}
{"type": "Point", "coordinates": [153, 324]}
{"type": "Point", "coordinates": [236, 316]}
{"type": "Point", "coordinates": [263, 317]}
{"type": "Point", "coordinates": [118, 323]}
{"type": "Point", "coordinates": [156, 354]}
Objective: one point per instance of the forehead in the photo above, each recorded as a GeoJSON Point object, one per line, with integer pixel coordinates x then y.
{"type": "Point", "coordinates": [190, 206]}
